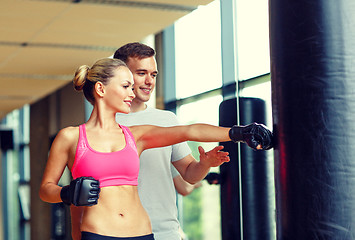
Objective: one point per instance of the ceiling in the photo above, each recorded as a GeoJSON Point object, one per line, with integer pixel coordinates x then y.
{"type": "Point", "coordinates": [43, 42]}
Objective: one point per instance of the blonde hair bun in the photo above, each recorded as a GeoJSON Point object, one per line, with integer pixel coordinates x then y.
{"type": "Point", "coordinates": [80, 77]}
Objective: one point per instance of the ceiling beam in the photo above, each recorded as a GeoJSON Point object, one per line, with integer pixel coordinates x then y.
{"type": "Point", "coordinates": [135, 4]}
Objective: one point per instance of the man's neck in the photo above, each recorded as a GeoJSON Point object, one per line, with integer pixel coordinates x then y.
{"type": "Point", "coordinates": [138, 106]}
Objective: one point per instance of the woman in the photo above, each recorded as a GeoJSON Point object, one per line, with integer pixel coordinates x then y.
{"type": "Point", "coordinates": [103, 156]}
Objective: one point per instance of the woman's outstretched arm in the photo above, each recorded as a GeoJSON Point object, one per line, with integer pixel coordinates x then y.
{"type": "Point", "coordinates": [255, 135]}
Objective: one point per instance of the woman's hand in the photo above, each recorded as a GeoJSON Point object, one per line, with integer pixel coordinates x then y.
{"type": "Point", "coordinates": [256, 135]}
{"type": "Point", "coordinates": [82, 191]}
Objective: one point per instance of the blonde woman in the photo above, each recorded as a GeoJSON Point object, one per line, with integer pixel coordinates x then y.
{"type": "Point", "coordinates": [103, 156]}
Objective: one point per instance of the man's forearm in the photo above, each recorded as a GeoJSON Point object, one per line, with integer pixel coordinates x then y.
{"type": "Point", "coordinates": [195, 172]}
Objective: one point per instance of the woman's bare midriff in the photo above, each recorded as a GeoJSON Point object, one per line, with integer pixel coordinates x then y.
{"type": "Point", "coordinates": [119, 213]}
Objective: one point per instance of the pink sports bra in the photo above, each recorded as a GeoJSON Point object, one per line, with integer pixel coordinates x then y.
{"type": "Point", "coordinates": [111, 169]}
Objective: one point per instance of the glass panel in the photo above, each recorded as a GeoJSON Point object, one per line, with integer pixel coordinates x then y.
{"type": "Point", "coordinates": [10, 180]}
{"type": "Point", "coordinates": [198, 51]}
{"type": "Point", "coordinates": [202, 217]}
{"type": "Point", "coordinates": [263, 91]}
{"type": "Point", "coordinates": [252, 38]}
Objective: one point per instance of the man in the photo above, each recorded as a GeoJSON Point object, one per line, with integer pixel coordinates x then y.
{"type": "Point", "coordinates": [155, 182]}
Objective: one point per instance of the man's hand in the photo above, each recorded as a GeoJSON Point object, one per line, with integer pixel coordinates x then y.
{"type": "Point", "coordinates": [213, 178]}
{"type": "Point", "coordinates": [213, 158]}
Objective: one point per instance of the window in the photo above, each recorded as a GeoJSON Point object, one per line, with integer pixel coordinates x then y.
{"type": "Point", "coordinates": [198, 51]}
{"type": "Point", "coordinates": [199, 71]}
{"type": "Point", "coordinates": [252, 38]}
{"type": "Point", "coordinates": [204, 221]}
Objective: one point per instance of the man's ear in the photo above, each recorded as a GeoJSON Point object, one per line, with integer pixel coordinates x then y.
{"type": "Point", "coordinates": [100, 88]}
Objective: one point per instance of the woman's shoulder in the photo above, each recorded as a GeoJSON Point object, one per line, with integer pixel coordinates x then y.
{"type": "Point", "coordinates": [138, 130]}
{"type": "Point", "coordinates": [69, 133]}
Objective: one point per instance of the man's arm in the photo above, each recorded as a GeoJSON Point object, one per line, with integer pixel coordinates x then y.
{"type": "Point", "coordinates": [184, 188]}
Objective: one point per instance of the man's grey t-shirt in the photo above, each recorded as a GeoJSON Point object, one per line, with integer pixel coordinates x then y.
{"type": "Point", "coordinates": [155, 184]}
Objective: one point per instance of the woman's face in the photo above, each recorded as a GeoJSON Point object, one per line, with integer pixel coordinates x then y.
{"type": "Point", "coordinates": [119, 92]}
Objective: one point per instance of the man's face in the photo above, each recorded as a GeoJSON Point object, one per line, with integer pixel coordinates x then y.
{"type": "Point", "coordinates": [144, 75]}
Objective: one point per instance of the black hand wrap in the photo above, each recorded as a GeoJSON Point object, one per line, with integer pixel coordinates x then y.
{"type": "Point", "coordinates": [213, 178]}
{"type": "Point", "coordinates": [253, 134]}
{"type": "Point", "coordinates": [83, 191]}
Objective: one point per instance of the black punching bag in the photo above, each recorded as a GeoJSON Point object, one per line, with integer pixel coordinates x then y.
{"type": "Point", "coordinates": [256, 205]}
{"type": "Point", "coordinates": [313, 95]}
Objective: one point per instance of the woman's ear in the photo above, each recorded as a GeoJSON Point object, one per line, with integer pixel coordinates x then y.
{"type": "Point", "coordinates": [100, 88]}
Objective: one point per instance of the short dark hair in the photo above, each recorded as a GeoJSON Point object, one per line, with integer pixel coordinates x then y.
{"type": "Point", "coordinates": [134, 50]}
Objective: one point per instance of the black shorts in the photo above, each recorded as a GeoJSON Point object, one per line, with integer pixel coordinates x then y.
{"type": "Point", "coordinates": [94, 236]}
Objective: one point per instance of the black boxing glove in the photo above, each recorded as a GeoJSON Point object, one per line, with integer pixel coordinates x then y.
{"type": "Point", "coordinates": [253, 134]}
{"type": "Point", "coordinates": [82, 191]}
